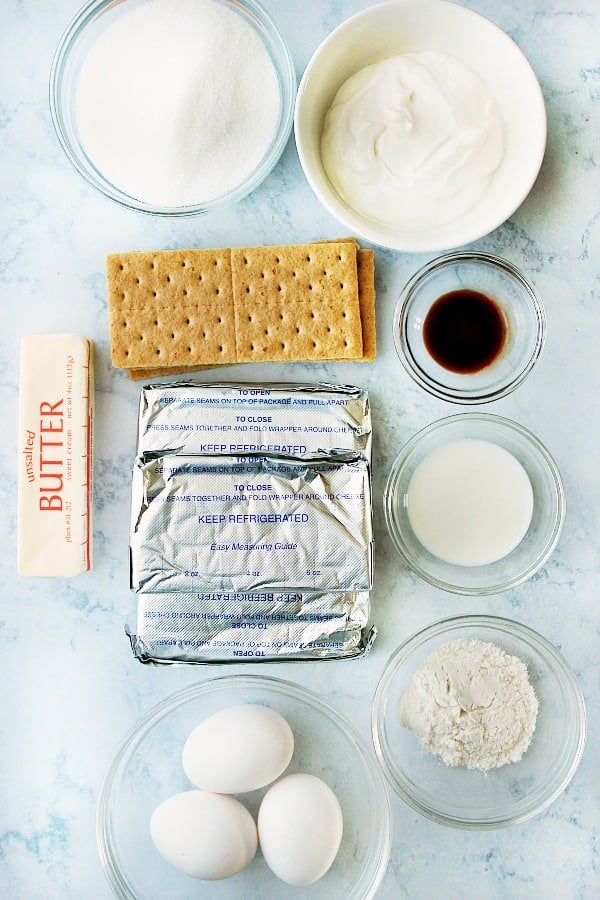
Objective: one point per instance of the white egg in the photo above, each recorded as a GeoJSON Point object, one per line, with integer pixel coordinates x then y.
{"type": "Point", "coordinates": [238, 749]}
{"type": "Point", "coordinates": [205, 835]}
{"type": "Point", "coordinates": [300, 828]}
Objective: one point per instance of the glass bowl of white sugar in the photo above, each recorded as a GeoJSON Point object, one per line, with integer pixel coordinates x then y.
{"type": "Point", "coordinates": [474, 504]}
{"type": "Point", "coordinates": [172, 107]}
{"type": "Point", "coordinates": [451, 787]}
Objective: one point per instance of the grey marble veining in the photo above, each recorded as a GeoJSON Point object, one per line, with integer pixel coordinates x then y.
{"type": "Point", "coordinates": [70, 687]}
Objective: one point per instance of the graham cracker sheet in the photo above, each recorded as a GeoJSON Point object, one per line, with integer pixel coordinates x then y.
{"type": "Point", "coordinates": [286, 303]}
{"type": "Point", "coordinates": [296, 302]}
{"type": "Point", "coordinates": [174, 306]}
{"type": "Point", "coordinates": [157, 371]}
{"type": "Point", "coordinates": [365, 260]}
{"type": "Point", "coordinates": [366, 299]}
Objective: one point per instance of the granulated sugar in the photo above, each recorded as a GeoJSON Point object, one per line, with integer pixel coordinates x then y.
{"type": "Point", "coordinates": [471, 704]}
{"type": "Point", "coordinates": [177, 101]}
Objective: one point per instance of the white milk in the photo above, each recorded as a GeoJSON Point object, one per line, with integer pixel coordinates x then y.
{"type": "Point", "coordinates": [470, 502]}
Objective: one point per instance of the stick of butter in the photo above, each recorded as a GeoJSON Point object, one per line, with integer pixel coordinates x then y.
{"type": "Point", "coordinates": [55, 455]}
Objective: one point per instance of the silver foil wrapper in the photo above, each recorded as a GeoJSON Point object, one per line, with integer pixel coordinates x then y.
{"type": "Point", "coordinates": [250, 604]}
{"type": "Point", "coordinates": [230, 418]}
{"type": "Point", "coordinates": [265, 626]}
{"type": "Point", "coordinates": [210, 524]}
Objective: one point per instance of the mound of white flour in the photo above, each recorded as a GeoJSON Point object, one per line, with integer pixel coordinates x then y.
{"type": "Point", "coordinates": [472, 705]}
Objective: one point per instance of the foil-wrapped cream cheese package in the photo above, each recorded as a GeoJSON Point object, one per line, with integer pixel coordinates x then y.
{"type": "Point", "coordinates": [226, 523]}
{"type": "Point", "coordinates": [251, 534]}
{"type": "Point", "coordinates": [262, 625]}
{"type": "Point", "coordinates": [294, 419]}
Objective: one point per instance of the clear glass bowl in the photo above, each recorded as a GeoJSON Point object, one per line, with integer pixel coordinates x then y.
{"type": "Point", "coordinates": [147, 769]}
{"type": "Point", "coordinates": [549, 505]}
{"type": "Point", "coordinates": [73, 47]}
{"type": "Point", "coordinates": [466, 798]}
{"type": "Point", "coordinates": [512, 292]}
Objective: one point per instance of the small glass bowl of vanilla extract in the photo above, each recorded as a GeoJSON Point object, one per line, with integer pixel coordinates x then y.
{"type": "Point", "coordinates": [469, 327]}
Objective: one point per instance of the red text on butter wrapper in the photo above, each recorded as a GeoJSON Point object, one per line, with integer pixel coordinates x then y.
{"type": "Point", "coordinates": [51, 456]}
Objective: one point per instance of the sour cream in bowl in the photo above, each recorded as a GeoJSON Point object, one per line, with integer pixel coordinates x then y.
{"type": "Point", "coordinates": [412, 140]}
{"type": "Point", "coordinates": [420, 125]}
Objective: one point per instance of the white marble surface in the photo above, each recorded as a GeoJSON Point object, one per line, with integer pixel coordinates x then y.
{"type": "Point", "coordinates": [70, 687]}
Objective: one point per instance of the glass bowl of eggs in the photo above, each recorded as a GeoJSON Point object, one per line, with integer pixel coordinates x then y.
{"type": "Point", "coordinates": [194, 762]}
{"type": "Point", "coordinates": [475, 504]}
{"type": "Point", "coordinates": [469, 327]}
{"type": "Point", "coordinates": [488, 760]}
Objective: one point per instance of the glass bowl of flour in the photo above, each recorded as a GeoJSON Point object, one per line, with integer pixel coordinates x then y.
{"type": "Point", "coordinates": [172, 107]}
{"type": "Point", "coordinates": [513, 745]}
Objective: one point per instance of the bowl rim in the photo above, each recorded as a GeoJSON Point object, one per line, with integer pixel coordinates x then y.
{"type": "Point", "coordinates": [145, 723]}
{"type": "Point", "coordinates": [286, 78]}
{"type": "Point", "coordinates": [400, 322]}
{"type": "Point", "coordinates": [368, 229]}
{"type": "Point", "coordinates": [502, 423]}
{"type": "Point", "coordinates": [500, 625]}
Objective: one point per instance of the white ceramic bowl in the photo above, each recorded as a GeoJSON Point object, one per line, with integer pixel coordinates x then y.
{"type": "Point", "coordinates": [402, 26]}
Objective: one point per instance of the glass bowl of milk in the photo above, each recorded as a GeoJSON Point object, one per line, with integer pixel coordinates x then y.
{"type": "Point", "coordinates": [475, 504]}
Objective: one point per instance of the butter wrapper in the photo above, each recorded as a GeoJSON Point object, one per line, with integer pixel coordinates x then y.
{"type": "Point", "coordinates": [231, 418]}
{"type": "Point", "coordinates": [56, 406]}
{"type": "Point", "coordinates": [246, 523]}
{"type": "Point", "coordinates": [264, 626]}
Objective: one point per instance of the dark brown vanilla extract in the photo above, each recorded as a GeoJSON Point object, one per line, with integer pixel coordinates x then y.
{"type": "Point", "coordinates": [464, 331]}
